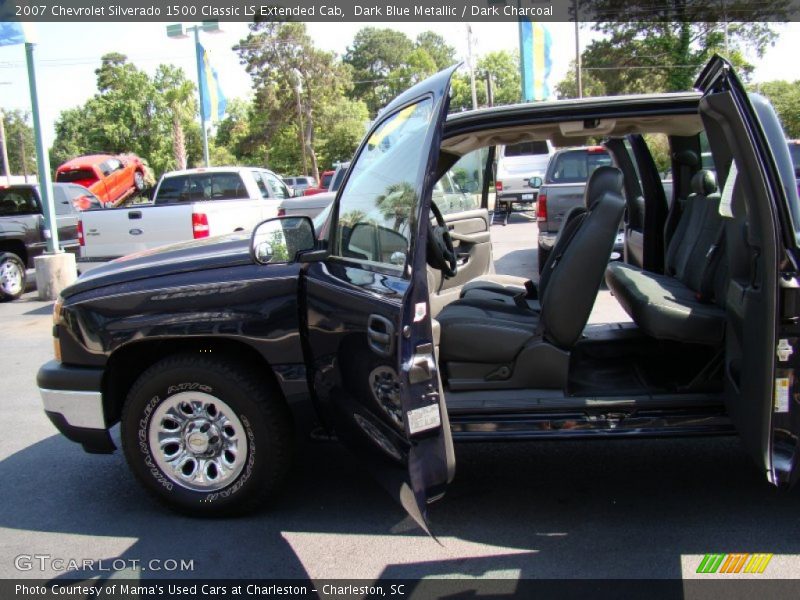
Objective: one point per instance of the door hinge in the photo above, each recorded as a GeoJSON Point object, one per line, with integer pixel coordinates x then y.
{"type": "Point", "coordinates": [784, 350]}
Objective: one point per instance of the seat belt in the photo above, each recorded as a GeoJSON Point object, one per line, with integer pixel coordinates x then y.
{"type": "Point", "coordinates": [706, 292]}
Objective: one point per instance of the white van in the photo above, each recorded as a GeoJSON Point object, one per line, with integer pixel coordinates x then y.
{"type": "Point", "coordinates": [516, 165]}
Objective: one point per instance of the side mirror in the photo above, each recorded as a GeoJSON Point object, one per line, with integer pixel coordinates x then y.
{"type": "Point", "coordinates": [535, 182]}
{"type": "Point", "coordinates": [280, 240]}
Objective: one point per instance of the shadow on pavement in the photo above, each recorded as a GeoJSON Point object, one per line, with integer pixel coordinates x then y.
{"type": "Point", "coordinates": [587, 509]}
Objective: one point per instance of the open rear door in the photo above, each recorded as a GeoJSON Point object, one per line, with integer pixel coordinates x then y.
{"type": "Point", "coordinates": [368, 332]}
{"type": "Point", "coordinates": [759, 199]}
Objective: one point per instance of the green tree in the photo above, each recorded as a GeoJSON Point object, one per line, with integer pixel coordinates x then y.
{"type": "Point", "coordinates": [503, 66]}
{"type": "Point", "coordinates": [442, 53]}
{"type": "Point", "coordinates": [785, 98]}
{"type": "Point", "coordinates": [20, 143]}
{"type": "Point", "coordinates": [178, 95]}
{"type": "Point", "coordinates": [132, 112]}
{"type": "Point", "coordinates": [664, 52]}
{"type": "Point", "coordinates": [293, 81]}
{"type": "Point", "coordinates": [342, 125]}
{"type": "Point", "coordinates": [374, 54]}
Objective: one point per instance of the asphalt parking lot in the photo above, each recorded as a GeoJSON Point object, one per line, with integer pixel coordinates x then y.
{"type": "Point", "coordinates": [628, 509]}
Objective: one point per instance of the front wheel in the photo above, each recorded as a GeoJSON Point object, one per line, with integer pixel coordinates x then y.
{"type": "Point", "coordinates": [206, 436]}
{"type": "Point", "coordinates": [12, 277]}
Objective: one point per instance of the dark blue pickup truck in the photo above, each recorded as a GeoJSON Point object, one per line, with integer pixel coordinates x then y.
{"type": "Point", "coordinates": [215, 356]}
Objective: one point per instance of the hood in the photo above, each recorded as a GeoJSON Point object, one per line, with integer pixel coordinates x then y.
{"type": "Point", "coordinates": [196, 255]}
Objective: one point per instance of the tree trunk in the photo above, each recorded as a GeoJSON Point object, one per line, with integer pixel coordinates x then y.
{"type": "Point", "coordinates": [309, 140]}
{"type": "Point", "coordinates": [178, 141]}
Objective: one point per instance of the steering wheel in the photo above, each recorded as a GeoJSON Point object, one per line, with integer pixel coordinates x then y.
{"type": "Point", "coordinates": [440, 253]}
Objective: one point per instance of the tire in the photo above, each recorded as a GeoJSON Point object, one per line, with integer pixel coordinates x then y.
{"type": "Point", "coordinates": [543, 255]}
{"type": "Point", "coordinates": [236, 464]}
{"type": "Point", "coordinates": [12, 277]}
{"type": "Point", "coordinates": [138, 181]}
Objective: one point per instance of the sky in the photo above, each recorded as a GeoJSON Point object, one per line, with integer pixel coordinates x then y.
{"type": "Point", "coordinates": [67, 55]}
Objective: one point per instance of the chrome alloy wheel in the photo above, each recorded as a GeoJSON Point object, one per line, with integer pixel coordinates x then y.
{"type": "Point", "coordinates": [198, 441]}
{"type": "Point", "coordinates": [10, 278]}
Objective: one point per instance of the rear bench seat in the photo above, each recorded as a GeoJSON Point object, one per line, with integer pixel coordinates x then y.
{"type": "Point", "coordinates": [685, 304]}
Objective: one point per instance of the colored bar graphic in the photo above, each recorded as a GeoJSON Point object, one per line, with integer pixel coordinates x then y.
{"type": "Point", "coordinates": [736, 562]}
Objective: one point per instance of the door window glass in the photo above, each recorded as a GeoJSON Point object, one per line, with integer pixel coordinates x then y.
{"type": "Point", "coordinates": [262, 185]}
{"type": "Point", "coordinates": [377, 205]}
{"type": "Point", "coordinates": [279, 189]}
{"type": "Point", "coordinates": [460, 188]}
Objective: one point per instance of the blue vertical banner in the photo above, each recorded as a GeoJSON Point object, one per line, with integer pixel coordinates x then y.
{"type": "Point", "coordinates": [214, 101]}
{"type": "Point", "coordinates": [535, 64]}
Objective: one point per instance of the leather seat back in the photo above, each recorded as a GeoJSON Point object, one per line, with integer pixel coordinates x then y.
{"type": "Point", "coordinates": [575, 272]}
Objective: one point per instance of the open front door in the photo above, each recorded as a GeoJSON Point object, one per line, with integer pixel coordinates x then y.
{"type": "Point", "coordinates": [759, 199]}
{"type": "Point", "coordinates": [369, 332]}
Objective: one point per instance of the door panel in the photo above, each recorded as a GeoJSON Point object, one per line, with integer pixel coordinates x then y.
{"type": "Point", "coordinates": [752, 193]}
{"type": "Point", "coordinates": [368, 330]}
{"type": "Point", "coordinates": [473, 242]}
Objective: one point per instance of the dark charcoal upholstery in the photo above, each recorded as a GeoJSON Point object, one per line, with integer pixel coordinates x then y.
{"type": "Point", "coordinates": [685, 303]}
{"type": "Point", "coordinates": [480, 330]}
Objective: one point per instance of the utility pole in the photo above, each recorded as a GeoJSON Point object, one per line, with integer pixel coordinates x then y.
{"type": "Point", "coordinates": [471, 68]}
{"type": "Point", "coordinates": [489, 89]}
{"type": "Point", "coordinates": [6, 170]}
{"type": "Point", "coordinates": [578, 65]}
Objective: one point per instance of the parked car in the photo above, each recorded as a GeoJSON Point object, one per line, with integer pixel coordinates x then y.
{"type": "Point", "coordinates": [24, 235]}
{"type": "Point", "coordinates": [324, 184]}
{"type": "Point", "coordinates": [316, 203]}
{"type": "Point", "coordinates": [112, 178]}
{"type": "Point", "coordinates": [216, 356]}
{"type": "Point", "coordinates": [299, 183]}
{"type": "Point", "coordinates": [188, 204]}
{"type": "Point", "coordinates": [561, 190]}
{"type": "Point", "coordinates": [516, 165]}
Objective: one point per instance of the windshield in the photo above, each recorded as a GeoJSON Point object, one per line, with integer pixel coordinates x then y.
{"type": "Point", "coordinates": [84, 177]}
{"type": "Point", "coordinates": [199, 187]}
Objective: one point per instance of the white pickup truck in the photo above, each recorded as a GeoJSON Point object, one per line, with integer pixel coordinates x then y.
{"type": "Point", "coordinates": [186, 205]}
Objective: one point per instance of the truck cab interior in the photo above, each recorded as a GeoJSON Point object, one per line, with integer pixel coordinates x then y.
{"type": "Point", "coordinates": [687, 281]}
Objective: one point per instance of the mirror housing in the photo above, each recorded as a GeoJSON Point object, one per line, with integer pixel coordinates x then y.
{"type": "Point", "coordinates": [282, 239]}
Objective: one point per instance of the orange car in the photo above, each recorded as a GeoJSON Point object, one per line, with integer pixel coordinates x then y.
{"type": "Point", "coordinates": [324, 183]}
{"type": "Point", "coordinates": [111, 178]}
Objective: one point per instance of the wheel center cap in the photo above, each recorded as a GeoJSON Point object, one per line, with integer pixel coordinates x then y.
{"type": "Point", "coordinates": [197, 442]}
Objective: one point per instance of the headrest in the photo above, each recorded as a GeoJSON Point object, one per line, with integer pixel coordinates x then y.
{"type": "Point", "coordinates": [687, 157]}
{"type": "Point", "coordinates": [602, 180]}
{"type": "Point", "coordinates": [704, 183]}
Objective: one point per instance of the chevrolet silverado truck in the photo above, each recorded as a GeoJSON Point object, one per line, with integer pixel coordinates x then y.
{"type": "Point", "coordinates": [214, 356]}
{"type": "Point", "coordinates": [188, 204]}
{"type": "Point", "coordinates": [24, 233]}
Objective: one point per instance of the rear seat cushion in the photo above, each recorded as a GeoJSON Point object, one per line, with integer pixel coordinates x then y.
{"type": "Point", "coordinates": [665, 308]}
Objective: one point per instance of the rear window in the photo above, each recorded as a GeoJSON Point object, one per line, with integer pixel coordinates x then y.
{"type": "Point", "coordinates": [18, 201]}
{"type": "Point", "coordinates": [575, 166]}
{"type": "Point", "coordinates": [326, 180]}
{"type": "Point", "coordinates": [83, 176]}
{"type": "Point", "coordinates": [199, 187]}
{"type": "Point", "coordinates": [527, 149]}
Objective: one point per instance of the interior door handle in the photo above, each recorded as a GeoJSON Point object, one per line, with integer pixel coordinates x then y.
{"type": "Point", "coordinates": [380, 335]}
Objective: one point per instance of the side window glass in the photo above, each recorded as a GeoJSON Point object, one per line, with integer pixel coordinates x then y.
{"type": "Point", "coordinates": [279, 189]}
{"type": "Point", "coordinates": [706, 158]}
{"type": "Point", "coordinates": [61, 202]}
{"type": "Point", "coordinates": [460, 188]}
{"type": "Point", "coordinates": [377, 206]}
{"type": "Point", "coordinates": [262, 185]}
